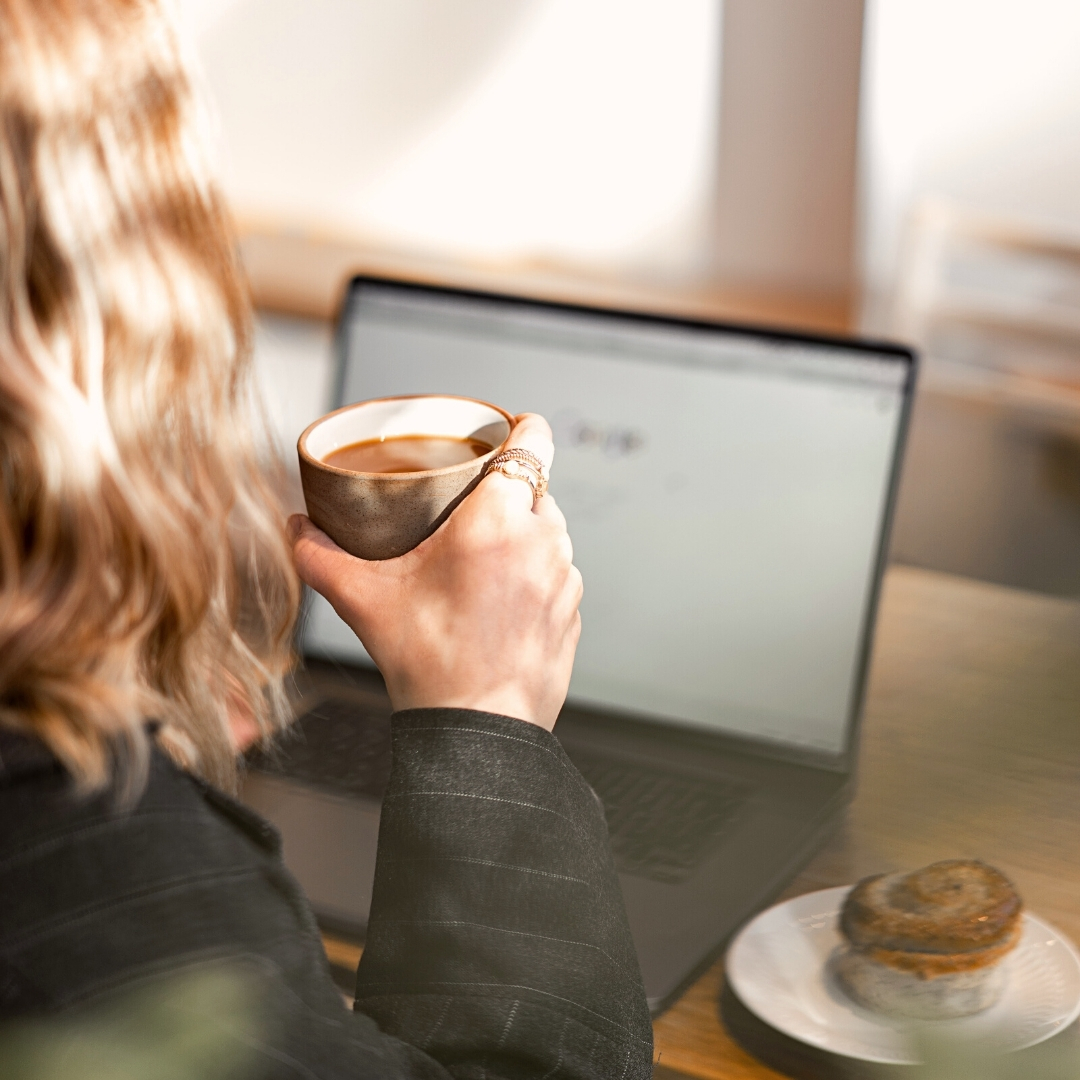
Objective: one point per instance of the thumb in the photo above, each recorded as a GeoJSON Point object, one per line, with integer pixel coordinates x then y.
{"type": "Point", "coordinates": [327, 568]}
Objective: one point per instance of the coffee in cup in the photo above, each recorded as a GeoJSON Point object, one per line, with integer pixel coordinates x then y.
{"type": "Point", "coordinates": [406, 453]}
{"type": "Point", "coordinates": [380, 476]}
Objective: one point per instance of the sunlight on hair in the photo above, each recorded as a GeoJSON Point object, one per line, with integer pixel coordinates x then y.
{"type": "Point", "coordinates": [144, 569]}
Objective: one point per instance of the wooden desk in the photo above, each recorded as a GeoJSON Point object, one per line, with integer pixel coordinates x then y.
{"type": "Point", "coordinates": [970, 748]}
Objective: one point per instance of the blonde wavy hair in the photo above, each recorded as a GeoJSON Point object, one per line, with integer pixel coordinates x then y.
{"type": "Point", "coordinates": [144, 570]}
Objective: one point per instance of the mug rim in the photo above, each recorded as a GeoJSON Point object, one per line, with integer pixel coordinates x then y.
{"type": "Point", "coordinates": [310, 459]}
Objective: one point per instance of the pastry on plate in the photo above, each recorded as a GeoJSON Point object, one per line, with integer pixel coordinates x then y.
{"type": "Point", "coordinates": [928, 945]}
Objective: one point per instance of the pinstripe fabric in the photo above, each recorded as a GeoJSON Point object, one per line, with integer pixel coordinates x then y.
{"type": "Point", "coordinates": [497, 947]}
{"type": "Point", "coordinates": [496, 906]}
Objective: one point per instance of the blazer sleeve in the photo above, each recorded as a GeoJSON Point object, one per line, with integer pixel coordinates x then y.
{"type": "Point", "coordinates": [497, 941]}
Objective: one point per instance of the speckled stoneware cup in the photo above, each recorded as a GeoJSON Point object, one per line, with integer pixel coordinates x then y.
{"type": "Point", "coordinates": [382, 515]}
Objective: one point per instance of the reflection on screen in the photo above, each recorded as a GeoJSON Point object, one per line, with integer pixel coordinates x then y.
{"type": "Point", "coordinates": [724, 494]}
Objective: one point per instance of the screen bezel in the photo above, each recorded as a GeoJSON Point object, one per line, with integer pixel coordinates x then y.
{"type": "Point", "coordinates": [844, 760]}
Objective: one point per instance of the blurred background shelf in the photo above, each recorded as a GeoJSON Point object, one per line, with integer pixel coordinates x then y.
{"type": "Point", "coordinates": [299, 273]}
{"type": "Point", "coordinates": [992, 482]}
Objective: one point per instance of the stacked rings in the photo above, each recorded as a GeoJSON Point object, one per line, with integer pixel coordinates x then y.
{"type": "Point", "coordinates": [518, 464]}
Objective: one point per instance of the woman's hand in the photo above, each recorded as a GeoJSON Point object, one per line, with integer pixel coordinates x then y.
{"type": "Point", "coordinates": [482, 615]}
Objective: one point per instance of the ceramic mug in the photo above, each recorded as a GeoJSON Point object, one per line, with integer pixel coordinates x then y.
{"type": "Point", "coordinates": [376, 515]}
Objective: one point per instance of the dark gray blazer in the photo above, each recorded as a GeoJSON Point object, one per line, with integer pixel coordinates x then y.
{"type": "Point", "coordinates": [497, 946]}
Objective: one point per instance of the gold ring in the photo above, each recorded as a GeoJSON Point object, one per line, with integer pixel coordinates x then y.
{"type": "Point", "coordinates": [526, 457]}
{"type": "Point", "coordinates": [518, 464]}
{"type": "Point", "coordinates": [521, 464]}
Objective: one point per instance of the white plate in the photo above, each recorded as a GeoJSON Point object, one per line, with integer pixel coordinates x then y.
{"type": "Point", "coordinates": [777, 965]}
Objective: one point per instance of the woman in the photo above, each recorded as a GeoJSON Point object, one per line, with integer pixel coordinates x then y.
{"type": "Point", "coordinates": [147, 598]}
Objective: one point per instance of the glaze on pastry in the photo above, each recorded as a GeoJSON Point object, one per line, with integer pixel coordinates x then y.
{"type": "Point", "coordinates": [929, 944]}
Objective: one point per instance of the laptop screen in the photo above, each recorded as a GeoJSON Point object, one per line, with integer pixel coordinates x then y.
{"type": "Point", "coordinates": [726, 493]}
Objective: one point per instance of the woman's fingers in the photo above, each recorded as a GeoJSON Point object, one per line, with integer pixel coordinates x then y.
{"type": "Point", "coordinates": [548, 509]}
{"type": "Point", "coordinates": [570, 596]}
{"type": "Point", "coordinates": [531, 433]}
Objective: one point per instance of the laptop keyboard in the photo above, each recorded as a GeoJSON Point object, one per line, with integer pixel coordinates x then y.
{"type": "Point", "coordinates": [662, 824]}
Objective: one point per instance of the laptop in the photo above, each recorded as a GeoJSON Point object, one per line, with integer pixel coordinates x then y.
{"type": "Point", "coordinates": [728, 491]}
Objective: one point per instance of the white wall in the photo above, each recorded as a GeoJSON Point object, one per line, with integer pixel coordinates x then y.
{"type": "Point", "coordinates": [976, 101]}
{"type": "Point", "coordinates": [580, 130]}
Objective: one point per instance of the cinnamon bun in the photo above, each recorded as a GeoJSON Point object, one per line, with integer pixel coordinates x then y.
{"type": "Point", "coordinates": [929, 944]}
